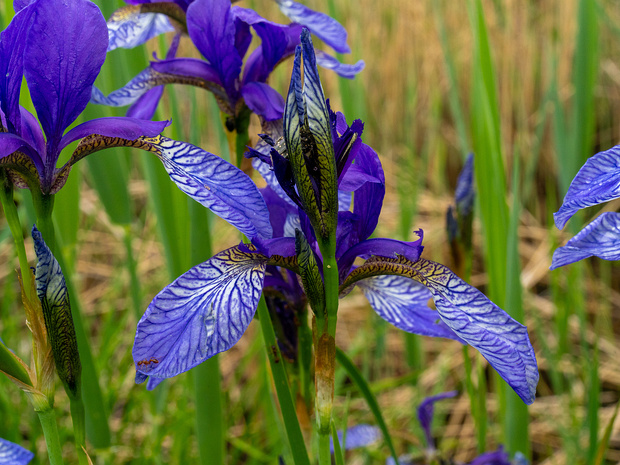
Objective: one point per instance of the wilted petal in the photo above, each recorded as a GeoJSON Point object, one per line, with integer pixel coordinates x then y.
{"type": "Point", "coordinates": [12, 454]}
{"type": "Point", "coordinates": [503, 341]}
{"type": "Point", "coordinates": [323, 26]}
{"type": "Point", "coordinates": [426, 411]}
{"type": "Point", "coordinates": [403, 302]}
{"type": "Point", "coordinates": [263, 100]}
{"type": "Point", "coordinates": [601, 238]}
{"type": "Point", "coordinates": [224, 189]}
{"type": "Point", "coordinates": [358, 436]}
{"type": "Point", "coordinates": [597, 181]}
{"type": "Point", "coordinates": [341, 69]}
{"type": "Point", "coordinates": [203, 312]}
{"type": "Point", "coordinates": [128, 28]}
{"type": "Point", "coordinates": [66, 46]}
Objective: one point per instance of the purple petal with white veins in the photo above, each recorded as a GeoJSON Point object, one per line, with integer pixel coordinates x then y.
{"type": "Point", "coordinates": [12, 454]}
{"type": "Point", "coordinates": [597, 181]}
{"type": "Point", "coordinates": [426, 411]}
{"type": "Point", "coordinates": [403, 302]}
{"type": "Point", "coordinates": [203, 312]}
{"type": "Point", "coordinates": [211, 27]}
{"type": "Point", "coordinates": [358, 436]}
{"type": "Point", "coordinates": [321, 25]}
{"type": "Point", "coordinates": [263, 100]}
{"type": "Point", "coordinates": [61, 69]}
{"type": "Point", "coordinates": [128, 28]}
{"type": "Point", "coordinates": [601, 238]}
{"type": "Point", "coordinates": [129, 93]}
{"type": "Point", "coordinates": [221, 187]}
{"type": "Point", "coordinates": [115, 126]}
{"type": "Point", "coordinates": [341, 69]}
{"type": "Point", "coordinates": [503, 341]}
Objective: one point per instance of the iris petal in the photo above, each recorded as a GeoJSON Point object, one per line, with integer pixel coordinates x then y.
{"type": "Point", "coordinates": [358, 436]}
{"type": "Point", "coordinates": [503, 341]}
{"type": "Point", "coordinates": [597, 181]}
{"type": "Point", "coordinates": [263, 100]}
{"type": "Point", "coordinates": [128, 28]}
{"type": "Point", "coordinates": [61, 69]}
{"type": "Point", "coordinates": [403, 302]}
{"type": "Point", "coordinates": [341, 69]}
{"type": "Point", "coordinates": [426, 411]}
{"type": "Point", "coordinates": [224, 189]}
{"type": "Point", "coordinates": [323, 26]}
{"type": "Point", "coordinates": [203, 312]}
{"type": "Point", "coordinates": [601, 238]}
{"type": "Point", "coordinates": [12, 454]}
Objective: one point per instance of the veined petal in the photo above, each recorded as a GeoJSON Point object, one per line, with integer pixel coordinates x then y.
{"type": "Point", "coordinates": [221, 187]}
{"type": "Point", "coordinates": [403, 302]}
{"type": "Point", "coordinates": [147, 79]}
{"type": "Point", "coordinates": [263, 100]}
{"type": "Point", "coordinates": [601, 238]}
{"type": "Point", "coordinates": [66, 46]}
{"type": "Point", "coordinates": [323, 26]}
{"type": "Point", "coordinates": [203, 312]}
{"type": "Point", "coordinates": [341, 69]}
{"type": "Point", "coordinates": [597, 181]}
{"type": "Point", "coordinates": [503, 341]}
{"type": "Point", "coordinates": [128, 28]}
{"type": "Point", "coordinates": [12, 454]}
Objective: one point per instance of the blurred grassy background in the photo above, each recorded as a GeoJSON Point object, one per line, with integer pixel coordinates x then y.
{"type": "Point", "coordinates": [556, 71]}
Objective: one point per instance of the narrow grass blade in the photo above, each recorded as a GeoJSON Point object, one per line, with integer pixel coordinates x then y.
{"type": "Point", "coordinates": [599, 459]}
{"type": "Point", "coordinates": [371, 400]}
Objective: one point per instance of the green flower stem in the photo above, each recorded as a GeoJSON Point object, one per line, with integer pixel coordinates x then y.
{"type": "Point", "coordinates": [12, 218]}
{"type": "Point", "coordinates": [79, 426]}
{"type": "Point", "coordinates": [50, 431]}
{"type": "Point", "coordinates": [289, 414]}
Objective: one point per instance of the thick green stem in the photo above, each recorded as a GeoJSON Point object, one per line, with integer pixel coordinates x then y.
{"type": "Point", "coordinates": [12, 218]}
{"type": "Point", "coordinates": [79, 427]}
{"type": "Point", "coordinates": [289, 414]}
{"type": "Point", "coordinates": [50, 431]}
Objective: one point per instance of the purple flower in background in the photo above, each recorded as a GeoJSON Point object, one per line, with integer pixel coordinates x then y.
{"type": "Point", "coordinates": [207, 309]}
{"type": "Point", "coordinates": [222, 34]}
{"type": "Point", "coordinates": [596, 182]}
{"type": "Point", "coordinates": [59, 48]}
{"type": "Point", "coordinates": [12, 454]}
{"type": "Point", "coordinates": [426, 410]}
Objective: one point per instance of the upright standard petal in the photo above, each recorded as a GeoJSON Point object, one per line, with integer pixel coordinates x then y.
{"type": "Point", "coordinates": [211, 27]}
{"type": "Point", "coordinates": [323, 26]}
{"type": "Point", "coordinates": [66, 46]}
{"type": "Point", "coordinates": [601, 238]}
{"type": "Point", "coordinates": [403, 302]}
{"type": "Point", "coordinates": [203, 312]}
{"type": "Point", "coordinates": [12, 454]}
{"type": "Point", "coordinates": [503, 341]}
{"type": "Point", "coordinates": [128, 28]}
{"type": "Point", "coordinates": [596, 182]}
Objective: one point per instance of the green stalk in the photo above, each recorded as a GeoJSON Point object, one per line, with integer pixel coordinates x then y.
{"type": "Point", "coordinates": [294, 436]}
{"type": "Point", "coordinates": [50, 431]}
{"type": "Point", "coordinates": [79, 426]}
{"type": "Point", "coordinates": [12, 218]}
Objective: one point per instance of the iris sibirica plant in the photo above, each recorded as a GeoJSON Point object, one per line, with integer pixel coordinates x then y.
{"type": "Point", "coordinates": [596, 182]}
{"type": "Point", "coordinates": [313, 173]}
{"type": "Point", "coordinates": [222, 34]}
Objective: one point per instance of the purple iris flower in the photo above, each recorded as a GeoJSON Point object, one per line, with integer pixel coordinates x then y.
{"type": "Point", "coordinates": [12, 454]}
{"type": "Point", "coordinates": [596, 182]}
{"type": "Point", "coordinates": [222, 34]}
{"type": "Point", "coordinates": [206, 310]}
{"type": "Point", "coordinates": [59, 48]}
